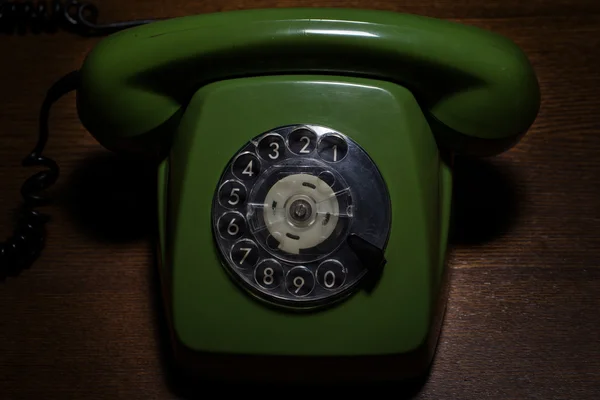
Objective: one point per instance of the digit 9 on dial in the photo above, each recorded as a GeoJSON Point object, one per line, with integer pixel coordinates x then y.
{"type": "Point", "coordinates": [298, 214]}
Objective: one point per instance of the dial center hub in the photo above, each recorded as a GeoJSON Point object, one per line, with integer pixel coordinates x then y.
{"type": "Point", "coordinates": [301, 210]}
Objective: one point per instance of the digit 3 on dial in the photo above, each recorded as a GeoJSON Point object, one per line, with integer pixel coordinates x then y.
{"type": "Point", "coordinates": [301, 217]}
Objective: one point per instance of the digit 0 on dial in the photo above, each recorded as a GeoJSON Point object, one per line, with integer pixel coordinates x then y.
{"type": "Point", "coordinates": [284, 209]}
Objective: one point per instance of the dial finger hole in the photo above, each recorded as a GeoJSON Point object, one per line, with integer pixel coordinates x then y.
{"type": "Point", "coordinates": [268, 274]}
{"type": "Point", "coordinates": [332, 148]}
{"type": "Point", "coordinates": [246, 166]}
{"type": "Point", "coordinates": [299, 281]}
{"type": "Point", "coordinates": [244, 254]}
{"type": "Point", "coordinates": [231, 225]}
{"type": "Point", "coordinates": [331, 274]}
{"type": "Point", "coordinates": [271, 147]}
{"type": "Point", "coordinates": [302, 141]}
{"type": "Point", "coordinates": [232, 194]}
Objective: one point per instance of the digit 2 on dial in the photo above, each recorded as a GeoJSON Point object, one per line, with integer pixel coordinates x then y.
{"type": "Point", "coordinates": [284, 208]}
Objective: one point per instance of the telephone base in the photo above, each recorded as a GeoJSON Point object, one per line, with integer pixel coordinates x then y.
{"type": "Point", "coordinates": [219, 329]}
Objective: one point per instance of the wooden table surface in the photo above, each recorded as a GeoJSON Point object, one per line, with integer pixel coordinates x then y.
{"type": "Point", "coordinates": [523, 318]}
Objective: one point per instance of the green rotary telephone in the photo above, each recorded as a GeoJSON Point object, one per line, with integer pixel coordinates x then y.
{"type": "Point", "coordinates": [305, 179]}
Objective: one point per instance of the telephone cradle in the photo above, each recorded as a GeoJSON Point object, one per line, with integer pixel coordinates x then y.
{"type": "Point", "coordinates": [304, 177]}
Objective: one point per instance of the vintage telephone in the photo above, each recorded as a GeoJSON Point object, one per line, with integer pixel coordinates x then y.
{"type": "Point", "coordinates": [305, 176]}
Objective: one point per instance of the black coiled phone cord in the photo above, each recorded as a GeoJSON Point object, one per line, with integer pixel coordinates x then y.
{"type": "Point", "coordinates": [27, 241]}
{"type": "Point", "coordinates": [50, 16]}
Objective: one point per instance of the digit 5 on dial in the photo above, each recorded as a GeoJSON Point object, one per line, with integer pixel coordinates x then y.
{"type": "Point", "coordinates": [304, 183]}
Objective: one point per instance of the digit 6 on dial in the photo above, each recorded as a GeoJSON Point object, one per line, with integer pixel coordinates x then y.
{"type": "Point", "coordinates": [232, 225]}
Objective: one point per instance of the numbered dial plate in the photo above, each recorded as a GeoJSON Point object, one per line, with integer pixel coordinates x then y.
{"type": "Point", "coordinates": [285, 207]}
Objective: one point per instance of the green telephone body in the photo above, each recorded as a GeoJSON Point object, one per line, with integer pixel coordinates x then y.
{"type": "Point", "coordinates": [394, 95]}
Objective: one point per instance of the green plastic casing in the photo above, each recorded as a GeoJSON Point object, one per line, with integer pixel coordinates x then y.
{"type": "Point", "coordinates": [408, 89]}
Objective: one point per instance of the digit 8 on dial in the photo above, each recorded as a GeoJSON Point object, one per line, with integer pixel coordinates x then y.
{"type": "Point", "coordinates": [284, 209]}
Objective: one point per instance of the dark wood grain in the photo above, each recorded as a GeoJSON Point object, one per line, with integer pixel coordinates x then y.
{"type": "Point", "coordinates": [523, 320]}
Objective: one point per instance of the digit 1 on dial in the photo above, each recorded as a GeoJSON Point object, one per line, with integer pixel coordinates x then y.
{"type": "Point", "coordinates": [332, 148]}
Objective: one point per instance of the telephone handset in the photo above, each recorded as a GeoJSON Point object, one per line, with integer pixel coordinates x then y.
{"type": "Point", "coordinates": [476, 87]}
{"type": "Point", "coordinates": [304, 193]}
